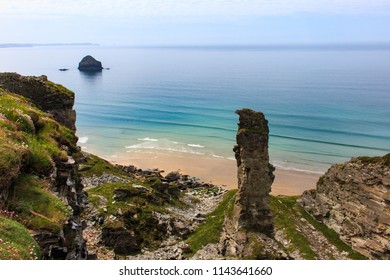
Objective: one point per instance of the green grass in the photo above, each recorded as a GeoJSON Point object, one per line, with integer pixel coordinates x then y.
{"type": "Point", "coordinates": [16, 242]}
{"type": "Point", "coordinates": [210, 230]}
{"type": "Point", "coordinates": [36, 207]}
{"type": "Point", "coordinates": [29, 137]}
{"type": "Point", "coordinates": [332, 236]}
{"type": "Point", "coordinates": [59, 89]}
{"type": "Point", "coordinates": [98, 166]}
{"type": "Point", "coordinates": [39, 159]}
{"type": "Point", "coordinates": [144, 200]}
{"type": "Point", "coordinates": [385, 159]}
{"type": "Point", "coordinates": [283, 208]}
{"type": "Point", "coordinates": [10, 162]}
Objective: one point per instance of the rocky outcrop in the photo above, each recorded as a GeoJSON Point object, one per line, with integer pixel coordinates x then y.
{"type": "Point", "coordinates": [248, 233]}
{"type": "Point", "coordinates": [90, 64]}
{"type": "Point", "coordinates": [354, 200]}
{"type": "Point", "coordinates": [255, 175]}
{"type": "Point", "coordinates": [144, 215]}
{"type": "Point", "coordinates": [47, 96]}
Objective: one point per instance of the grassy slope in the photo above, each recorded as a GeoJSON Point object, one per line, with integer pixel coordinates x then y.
{"type": "Point", "coordinates": [16, 242]}
{"type": "Point", "coordinates": [35, 206]}
{"type": "Point", "coordinates": [98, 166]}
{"type": "Point", "coordinates": [210, 231]}
{"type": "Point", "coordinates": [30, 141]}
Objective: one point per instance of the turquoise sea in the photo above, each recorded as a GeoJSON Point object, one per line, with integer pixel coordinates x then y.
{"type": "Point", "coordinates": [324, 105]}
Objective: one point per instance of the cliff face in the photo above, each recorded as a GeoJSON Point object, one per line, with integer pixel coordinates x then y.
{"type": "Point", "coordinates": [354, 200]}
{"type": "Point", "coordinates": [46, 95]}
{"type": "Point", "coordinates": [38, 163]}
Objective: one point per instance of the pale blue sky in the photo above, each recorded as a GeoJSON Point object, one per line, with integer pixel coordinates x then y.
{"type": "Point", "coordinates": [194, 22]}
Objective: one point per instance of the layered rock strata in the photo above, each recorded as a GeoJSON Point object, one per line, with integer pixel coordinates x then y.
{"type": "Point", "coordinates": [354, 200]}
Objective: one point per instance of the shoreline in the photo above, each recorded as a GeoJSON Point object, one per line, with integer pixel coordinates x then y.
{"type": "Point", "coordinates": [218, 171]}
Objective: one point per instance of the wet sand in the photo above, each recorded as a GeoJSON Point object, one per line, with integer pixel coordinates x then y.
{"type": "Point", "coordinates": [219, 171]}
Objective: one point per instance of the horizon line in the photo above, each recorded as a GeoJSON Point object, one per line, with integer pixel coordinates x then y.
{"type": "Point", "coordinates": [265, 46]}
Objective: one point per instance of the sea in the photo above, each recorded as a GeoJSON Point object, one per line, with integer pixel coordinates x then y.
{"type": "Point", "coordinates": [323, 105]}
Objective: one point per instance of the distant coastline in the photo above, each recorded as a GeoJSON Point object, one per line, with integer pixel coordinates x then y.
{"type": "Point", "coordinates": [28, 45]}
{"type": "Point", "coordinates": [358, 46]}
{"type": "Point", "coordinates": [281, 47]}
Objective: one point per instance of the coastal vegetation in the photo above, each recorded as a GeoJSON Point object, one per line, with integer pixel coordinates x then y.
{"type": "Point", "coordinates": [16, 242]}
{"type": "Point", "coordinates": [31, 143]}
{"type": "Point", "coordinates": [210, 231]}
{"type": "Point", "coordinates": [298, 226]}
{"type": "Point", "coordinates": [36, 206]}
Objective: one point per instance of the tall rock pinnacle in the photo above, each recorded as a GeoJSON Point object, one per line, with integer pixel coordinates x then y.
{"type": "Point", "coordinates": [255, 173]}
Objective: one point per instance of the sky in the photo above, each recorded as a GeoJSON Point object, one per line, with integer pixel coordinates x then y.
{"type": "Point", "coordinates": [195, 22]}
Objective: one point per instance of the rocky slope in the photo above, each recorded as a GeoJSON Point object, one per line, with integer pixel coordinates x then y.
{"type": "Point", "coordinates": [354, 200]}
{"type": "Point", "coordinates": [141, 214]}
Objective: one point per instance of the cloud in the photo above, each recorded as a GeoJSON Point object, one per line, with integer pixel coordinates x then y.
{"type": "Point", "coordinates": [145, 8]}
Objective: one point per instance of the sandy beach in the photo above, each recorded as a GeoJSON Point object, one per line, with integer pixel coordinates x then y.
{"type": "Point", "coordinates": [218, 171]}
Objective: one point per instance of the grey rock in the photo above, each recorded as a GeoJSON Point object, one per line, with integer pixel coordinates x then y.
{"type": "Point", "coordinates": [353, 199]}
{"type": "Point", "coordinates": [90, 64]}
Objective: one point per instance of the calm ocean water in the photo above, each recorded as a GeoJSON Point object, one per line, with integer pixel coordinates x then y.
{"type": "Point", "coordinates": [323, 106]}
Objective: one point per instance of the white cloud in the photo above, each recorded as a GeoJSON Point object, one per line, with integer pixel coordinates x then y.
{"type": "Point", "coordinates": [135, 8]}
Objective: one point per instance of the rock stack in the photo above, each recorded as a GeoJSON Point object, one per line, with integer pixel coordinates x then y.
{"type": "Point", "coordinates": [90, 64]}
{"type": "Point", "coordinates": [255, 175]}
{"type": "Point", "coordinates": [248, 231]}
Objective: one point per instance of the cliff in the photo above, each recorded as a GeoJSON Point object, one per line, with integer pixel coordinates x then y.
{"type": "Point", "coordinates": [354, 200]}
{"type": "Point", "coordinates": [39, 184]}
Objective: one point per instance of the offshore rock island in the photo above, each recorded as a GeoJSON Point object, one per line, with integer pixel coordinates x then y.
{"type": "Point", "coordinates": [59, 202]}
{"type": "Point", "coordinates": [90, 64]}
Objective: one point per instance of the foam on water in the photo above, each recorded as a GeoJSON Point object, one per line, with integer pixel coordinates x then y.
{"type": "Point", "coordinates": [195, 145]}
{"type": "Point", "coordinates": [148, 139]}
{"type": "Point", "coordinates": [83, 140]}
{"type": "Point", "coordinates": [167, 145]}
